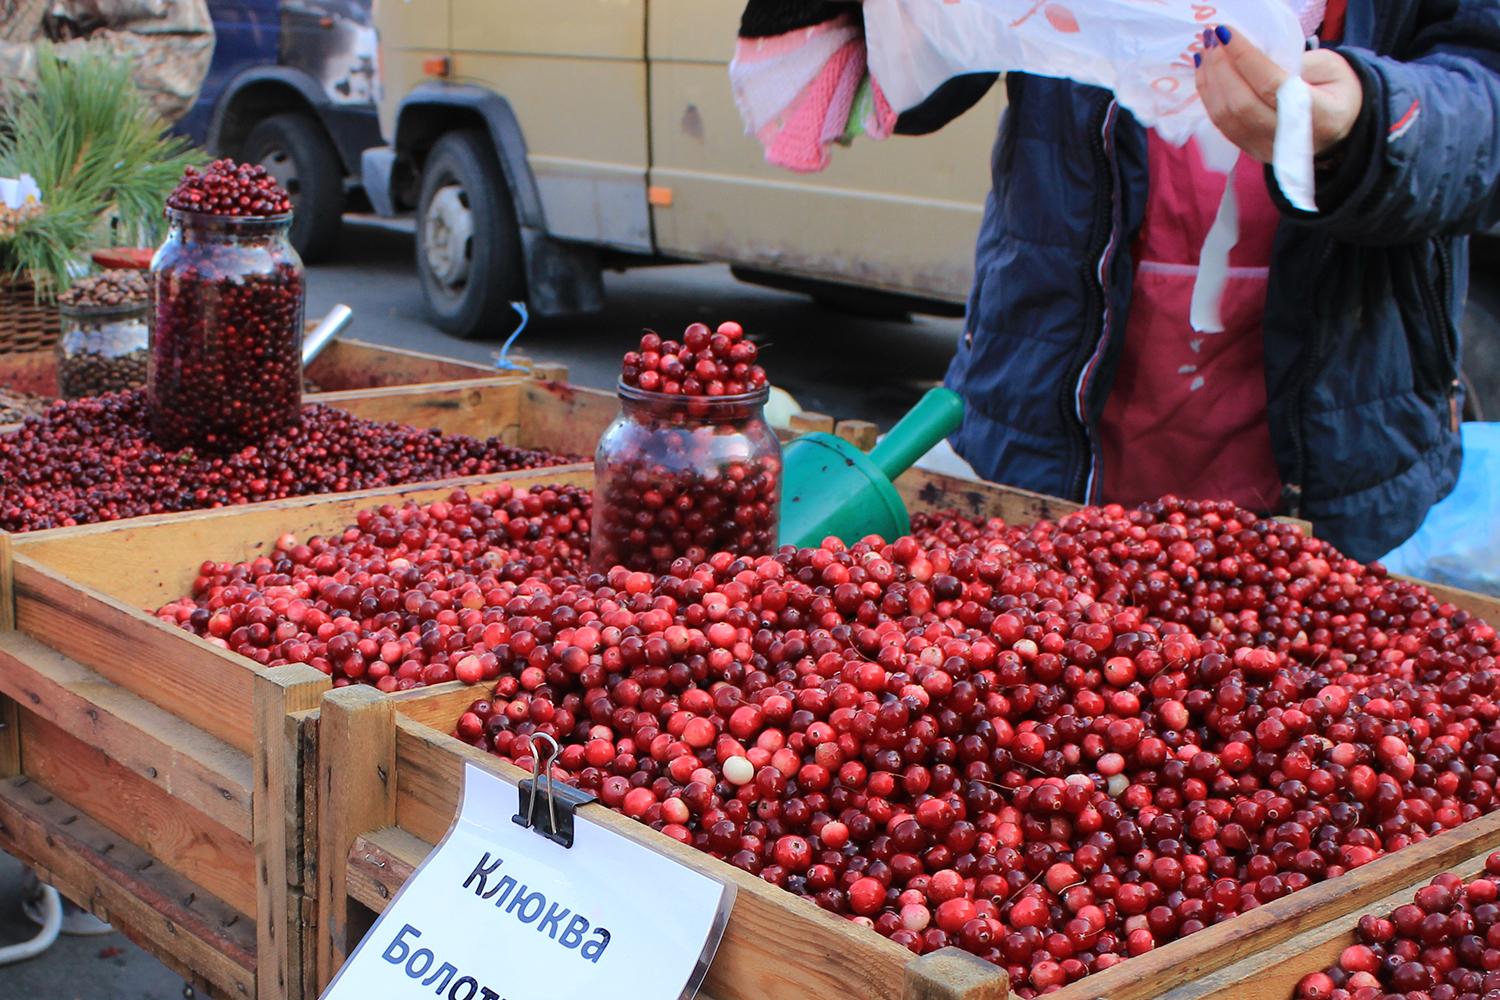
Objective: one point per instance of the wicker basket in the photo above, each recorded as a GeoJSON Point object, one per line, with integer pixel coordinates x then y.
{"type": "Point", "coordinates": [25, 323]}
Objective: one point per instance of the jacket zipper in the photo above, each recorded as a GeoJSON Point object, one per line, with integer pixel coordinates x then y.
{"type": "Point", "coordinates": [1311, 362]}
{"type": "Point", "coordinates": [1439, 299]}
{"type": "Point", "coordinates": [1099, 254]}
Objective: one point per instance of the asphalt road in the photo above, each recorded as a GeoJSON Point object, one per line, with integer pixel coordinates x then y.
{"type": "Point", "coordinates": [831, 361]}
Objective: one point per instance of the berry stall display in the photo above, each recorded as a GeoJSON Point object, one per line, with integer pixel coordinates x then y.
{"type": "Point", "coordinates": [1057, 746]}
{"type": "Point", "coordinates": [1442, 945]}
{"type": "Point", "coordinates": [90, 460]}
{"type": "Point", "coordinates": [104, 346]}
{"type": "Point", "coordinates": [226, 332]}
{"type": "Point", "coordinates": [690, 467]}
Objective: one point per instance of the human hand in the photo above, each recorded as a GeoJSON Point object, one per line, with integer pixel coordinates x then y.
{"type": "Point", "coordinates": [1237, 83]}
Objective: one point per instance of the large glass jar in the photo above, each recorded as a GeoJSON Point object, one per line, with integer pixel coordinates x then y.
{"type": "Point", "coordinates": [102, 348]}
{"type": "Point", "coordinates": [685, 476]}
{"type": "Point", "coordinates": [226, 331]}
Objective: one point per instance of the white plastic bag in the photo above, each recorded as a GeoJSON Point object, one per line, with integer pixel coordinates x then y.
{"type": "Point", "coordinates": [1459, 542]}
{"type": "Point", "coordinates": [1140, 49]}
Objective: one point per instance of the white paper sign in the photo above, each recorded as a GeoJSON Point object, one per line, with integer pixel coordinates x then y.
{"type": "Point", "coordinates": [499, 912]}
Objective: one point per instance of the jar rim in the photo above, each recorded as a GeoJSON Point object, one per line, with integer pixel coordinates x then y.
{"type": "Point", "coordinates": [636, 394]}
{"type": "Point", "coordinates": [211, 219]}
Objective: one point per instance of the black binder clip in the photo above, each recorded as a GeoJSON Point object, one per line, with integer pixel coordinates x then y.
{"type": "Point", "coordinates": [556, 823]}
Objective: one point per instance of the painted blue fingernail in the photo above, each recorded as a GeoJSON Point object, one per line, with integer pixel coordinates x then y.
{"type": "Point", "coordinates": [1223, 33]}
{"type": "Point", "coordinates": [1197, 59]}
{"type": "Point", "coordinates": [1208, 38]}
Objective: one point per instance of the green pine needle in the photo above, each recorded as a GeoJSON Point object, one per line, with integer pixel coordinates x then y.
{"type": "Point", "coordinates": [100, 156]}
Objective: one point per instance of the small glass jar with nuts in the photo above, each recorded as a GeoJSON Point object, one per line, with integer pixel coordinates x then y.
{"type": "Point", "coordinates": [105, 342]}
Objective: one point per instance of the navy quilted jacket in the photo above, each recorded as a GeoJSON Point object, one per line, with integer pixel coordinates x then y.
{"type": "Point", "coordinates": [1361, 336]}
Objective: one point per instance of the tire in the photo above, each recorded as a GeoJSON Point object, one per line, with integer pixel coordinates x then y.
{"type": "Point", "coordinates": [468, 243]}
{"type": "Point", "coordinates": [299, 154]}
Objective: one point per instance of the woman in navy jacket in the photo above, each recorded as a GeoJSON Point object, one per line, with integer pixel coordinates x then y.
{"type": "Point", "coordinates": [1358, 335]}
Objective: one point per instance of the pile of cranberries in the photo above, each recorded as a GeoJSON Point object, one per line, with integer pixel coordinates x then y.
{"type": "Point", "coordinates": [225, 187]}
{"type": "Point", "coordinates": [90, 460]}
{"type": "Point", "coordinates": [226, 324]}
{"type": "Point", "coordinates": [1056, 746]}
{"type": "Point", "coordinates": [1444, 945]}
{"type": "Point", "coordinates": [706, 362]}
{"type": "Point", "coordinates": [406, 596]}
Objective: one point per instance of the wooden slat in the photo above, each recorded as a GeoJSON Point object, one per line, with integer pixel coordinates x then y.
{"type": "Point", "coordinates": [1480, 605]}
{"type": "Point", "coordinates": [1147, 976]}
{"type": "Point", "coordinates": [348, 364]}
{"type": "Point", "coordinates": [189, 677]}
{"type": "Point", "coordinates": [194, 933]}
{"type": "Point", "coordinates": [774, 947]}
{"type": "Point", "coordinates": [125, 559]}
{"type": "Point", "coordinates": [932, 492]}
{"type": "Point", "coordinates": [954, 974]}
{"type": "Point", "coordinates": [278, 693]}
{"type": "Point", "coordinates": [438, 707]}
{"type": "Point", "coordinates": [809, 422]}
{"type": "Point", "coordinates": [303, 727]}
{"type": "Point", "coordinates": [1274, 973]}
{"type": "Point", "coordinates": [192, 766]}
{"type": "Point", "coordinates": [356, 794]}
{"type": "Point", "coordinates": [10, 727]}
{"type": "Point", "coordinates": [478, 408]}
{"type": "Point", "coordinates": [860, 433]}
{"type": "Point", "coordinates": [565, 418]}
{"type": "Point", "coordinates": [183, 839]}
{"type": "Point", "coordinates": [380, 863]}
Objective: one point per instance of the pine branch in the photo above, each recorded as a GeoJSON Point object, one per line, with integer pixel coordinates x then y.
{"type": "Point", "coordinates": [95, 147]}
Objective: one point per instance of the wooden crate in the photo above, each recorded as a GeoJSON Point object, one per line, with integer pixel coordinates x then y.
{"type": "Point", "coordinates": [150, 775]}
{"type": "Point", "coordinates": [388, 774]}
{"type": "Point", "coordinates": [344, 365]}
{"type": "Point", "coordinates": [1274, 973]}
{"type": "Point", "coordinates": [153, 776]}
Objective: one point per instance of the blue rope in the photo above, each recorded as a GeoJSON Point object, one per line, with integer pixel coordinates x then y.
{"type": "Point", "coordinates": [502, 360]}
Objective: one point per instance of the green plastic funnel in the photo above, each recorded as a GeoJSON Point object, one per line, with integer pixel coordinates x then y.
{"type": "Point", "coordinates": [830, 487]}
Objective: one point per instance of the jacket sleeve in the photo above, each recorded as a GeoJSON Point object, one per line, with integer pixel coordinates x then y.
{"type": "Point", "coordinates": [1424, 159]}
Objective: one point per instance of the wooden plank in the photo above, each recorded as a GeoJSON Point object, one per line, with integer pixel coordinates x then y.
{"type": "Point", "coordinates": [124, 559]}
{"type": "Point", "coordinates": [565, 418]}
{"type": "Point", "coordinates": [277, 818]}
{"type": "Point", "coordinates": [860, 433]}
{"type": "Point", "coordinates": [356, 794]}
{"type": "Point", "coordinates": [189, 677]}
{"type": "Point", "coordinates": [478, 408]}
{"type": "Point", "coordinates": [548, 371]}
{"type": "Point", "coordinates": [1477, 604]}
{"type": "Point", "coordinates": [954, 974]}
{"type": "Point", "coordinates": [194, 933]}
{"type": "Point", "coordinates": [7, 599]}
{"type": "Point", "coordinates": [192, 766]}
{"type": "Point", "coordinates": [1147, 976]}
{"type": "Point", "coordinates": [183, 839]}
{"type": "Point", "coordinates": [438, 707]}
{"type": "Point", "coordinates": [934, 492]}
{"type": "Point", "coordinates": [349, 364]}
{"type": "Point", "coordinates": [303, 727]}
{"type": "Point", "coordinates": [380, 862]}
{"type": "Point", "coordinates": [774, 947]}
{"type": "Point", "coordinates": [808, 422]}
{"type": "Point", "coordinates": [1273, 974]}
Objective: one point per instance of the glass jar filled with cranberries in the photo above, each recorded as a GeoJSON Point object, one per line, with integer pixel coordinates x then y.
{"type": "Point", "coordinates": [226, 324]}
{"type": "Point", "coordinates": [690, 467]}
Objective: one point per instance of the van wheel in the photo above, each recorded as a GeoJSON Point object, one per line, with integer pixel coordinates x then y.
{"type": "Point", "coordinates": [468, 243]}
{"type": "Point", "coordinates": [296, 152]}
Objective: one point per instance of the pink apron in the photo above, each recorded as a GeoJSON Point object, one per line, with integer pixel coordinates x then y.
{"type": "Point", "coordinates": [1187, 411]}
